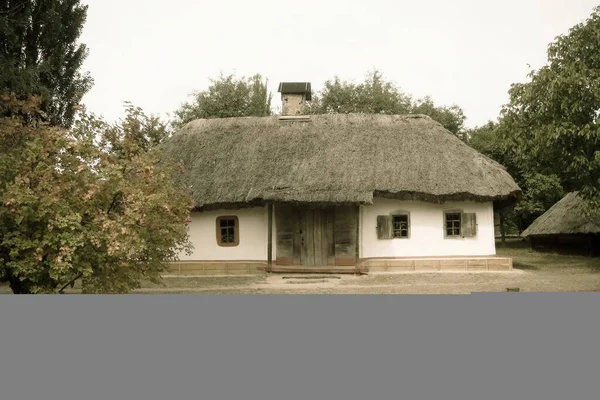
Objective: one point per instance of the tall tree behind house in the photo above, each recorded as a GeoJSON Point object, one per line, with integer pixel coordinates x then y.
{"type": "Point", "coordinates": [227, 96]}
{"type": "Point", "coordinates": [39, 55]}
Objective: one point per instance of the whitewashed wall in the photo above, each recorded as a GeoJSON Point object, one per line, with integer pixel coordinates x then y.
{"type": "Point", "coordinates": [426, 231]}
{"type": "Point", "coordinates": [426, 235]}
{"type": "Point", "coordinates": [252, 229]}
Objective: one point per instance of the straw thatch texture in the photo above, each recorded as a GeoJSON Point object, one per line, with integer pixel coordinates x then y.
{"type": "Point", "coordinates": [567, 216]}
{"type": "Point", "coordinates": [339, 158]}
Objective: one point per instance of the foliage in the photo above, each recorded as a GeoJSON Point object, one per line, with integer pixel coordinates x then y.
{"type": "Point", "coordinates": [485, 140]}
{"type": "Point", "coordinates": [227, 96]}
{"type": "Point", "coordinates": [552, 121]}
{"type": "Point", "coordinates": [95, 203]}
{"type": "Point", "coordinates": [541, 192]}
{"type": "Point", "coordinates": [376, 95]}
{"type": "Point", "coordinates": [147, 131]}
{"type": "Point", "coordinates": [488, 140]}
{"type": "Point", "coordinates": [39, 55]}
{"type": "Point", "coordinates": [451, 117]}
{"type": "Point", "coordinates": [373, 96]}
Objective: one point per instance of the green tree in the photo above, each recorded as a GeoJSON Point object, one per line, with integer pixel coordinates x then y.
{"type": "Point", "coordinates": [553, 119]}
{"type": "Point", "coordinates": [148, 131]}
{"type": "Point", "coordinates": [451, 117]}
{"type": "Point", "coordinates": [376, 95]}
{"type": "Point", "coordinates": [39, 55]}
{"type": "Point", "coordinates": [373, 96]}
{"type": "Point", "coordinates": [227, 96]}
{"type": "Point", "coordinates": [540, 193]}
{"type": "Point", "coordinates": [486, 140]}
{"type": "Point", "coordinates": [95, 203]}
{"type": "Point", "coordinates": [541, 187]}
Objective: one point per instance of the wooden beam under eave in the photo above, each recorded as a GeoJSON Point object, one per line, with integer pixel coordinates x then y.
{"type": "Point", "coordinates": [270, 237]}
{"type": "Point", "coordinates": [357, 249]}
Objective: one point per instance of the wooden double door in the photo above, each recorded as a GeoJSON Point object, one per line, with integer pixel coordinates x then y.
{"type": "Point", "coordinates": [313, 241]}
{"type": "Point", "coordinates": [316, 237]}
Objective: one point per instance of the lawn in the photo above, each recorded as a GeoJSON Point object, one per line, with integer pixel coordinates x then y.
{"type": "Point", "coordinates": [533, 272]}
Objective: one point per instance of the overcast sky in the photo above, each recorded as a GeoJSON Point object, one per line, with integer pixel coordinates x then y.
{"type": "Point", "coordinates": [155, 52]}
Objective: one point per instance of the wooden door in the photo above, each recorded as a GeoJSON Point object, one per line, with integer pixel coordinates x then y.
{"type": "Point", "coordinates": [316, 237]}
{"type": "Point", "coordinates": [313, 241]}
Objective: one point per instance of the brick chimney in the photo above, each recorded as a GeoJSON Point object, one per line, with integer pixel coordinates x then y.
{"type": "Point", "coordinates": [294, 95]}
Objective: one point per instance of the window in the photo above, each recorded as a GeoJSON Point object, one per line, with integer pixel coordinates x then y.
{"type": "Point", "coordinates": [228, 231]}
{"type": "Point", "coordinates": [452, 224]}
{"type": "Point", "coordinates": [395, 226]}
{"type": "Point", "coordinates": [458, 224]}
{"type": "Point", "coordinates": [400, 226]}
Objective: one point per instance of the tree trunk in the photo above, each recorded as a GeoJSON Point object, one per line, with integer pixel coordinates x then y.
{"type": "Point", "coordinates": [16, 285]}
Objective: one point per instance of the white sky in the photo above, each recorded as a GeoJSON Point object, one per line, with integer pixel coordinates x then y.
{"type": "Point", "coordinates": [155, 52]}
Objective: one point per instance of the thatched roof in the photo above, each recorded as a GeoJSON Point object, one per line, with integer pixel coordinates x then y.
{"type": "Point", "coordinates": [337, 158]}
{"type": "Point", "coordinates": [567, 216]}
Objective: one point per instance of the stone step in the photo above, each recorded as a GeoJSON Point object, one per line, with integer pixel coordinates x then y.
{"type": "Point", "coordinates": [309, 277]}
{"type": "Point", "coordinates": [307, 281]}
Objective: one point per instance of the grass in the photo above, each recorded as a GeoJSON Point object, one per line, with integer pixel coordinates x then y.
{"type": "Point", "coordinates": [527, 259]}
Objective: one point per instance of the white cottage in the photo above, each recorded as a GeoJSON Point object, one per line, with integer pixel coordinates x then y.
{"type": "Point", "coordinates": [337, 193]}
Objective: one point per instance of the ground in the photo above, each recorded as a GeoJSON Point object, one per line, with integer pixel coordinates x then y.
{"type": "Point", "coordinates": [533, 272]}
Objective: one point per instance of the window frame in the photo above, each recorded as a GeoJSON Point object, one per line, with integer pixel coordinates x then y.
{"type": "Point", "coordinates": [401, 214]}
{"type": "Point", "coordinates": [445, 224]}
{"type": "Point", "coordinates": [236, 230]}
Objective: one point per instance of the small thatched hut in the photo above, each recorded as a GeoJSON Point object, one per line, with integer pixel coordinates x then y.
{"type": "Point", "coordinates": [568, 226]}
{"type": "Point", "coordinates": [336, 193]}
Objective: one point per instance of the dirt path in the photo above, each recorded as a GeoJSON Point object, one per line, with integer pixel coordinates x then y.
{"type": "Point", "coordinates": [404, 283]}
{"type": "Point", "coordinates": [533, 272]}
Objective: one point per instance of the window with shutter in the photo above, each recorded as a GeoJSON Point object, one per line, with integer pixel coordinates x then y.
{"type": "Point", "coordinates": [459, 225]}
{"type": "Point", "coordinates": [452, 224]}
{"type": "Point", "coordinates": [384, 227]}
{"type": "Point", "coordinates": [401, 226]}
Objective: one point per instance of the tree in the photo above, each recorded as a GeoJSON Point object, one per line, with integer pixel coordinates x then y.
{"type": "Point", "coordinates": [486, 140]}
{"type": "Point", "coordinates": [451, 117]}
{"type": "Point", "coordinates": [541, 192]}
{"type": "Point", "coordinates": [376, 95]}
{"type": "Point", "coordinates": [373, 96]}
{"type": "Point", "coordinates": [39, 55]}
{"type": "Point", "coordinates": [541, 188]}
{"type": "Point", "coordinates": [95, 203]}
{"type": "Point", "coordinates": [489, 140]}
{"type": "Point", "coordinates": [553, 119]}
{"type": "Point", "coordinates": [227, 96]}
{"type": "Point", "coordinates": [147, 131]}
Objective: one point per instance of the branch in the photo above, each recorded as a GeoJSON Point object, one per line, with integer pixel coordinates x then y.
{"type": "Point", "coordinates": [113, 203]}
{"type": "Point", "coordinates": [18, 7]}
{"type": "Point", "coordinates": [71, 282]}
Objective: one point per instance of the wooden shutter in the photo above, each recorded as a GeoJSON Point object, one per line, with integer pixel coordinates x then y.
{"type": "Point", "coordinates": [384, 227]}
{"type": "Point", "coordinates": [285, 243]}
{"type": "Point", "coordinates": [468, 223]}
{"type": "Point", "coordinates": [345, 234]}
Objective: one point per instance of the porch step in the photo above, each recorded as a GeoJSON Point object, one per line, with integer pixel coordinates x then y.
{"type": "Point", "coordinates": [307, 281]}
{"type": "Point", "coordinates": [309, 277]}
